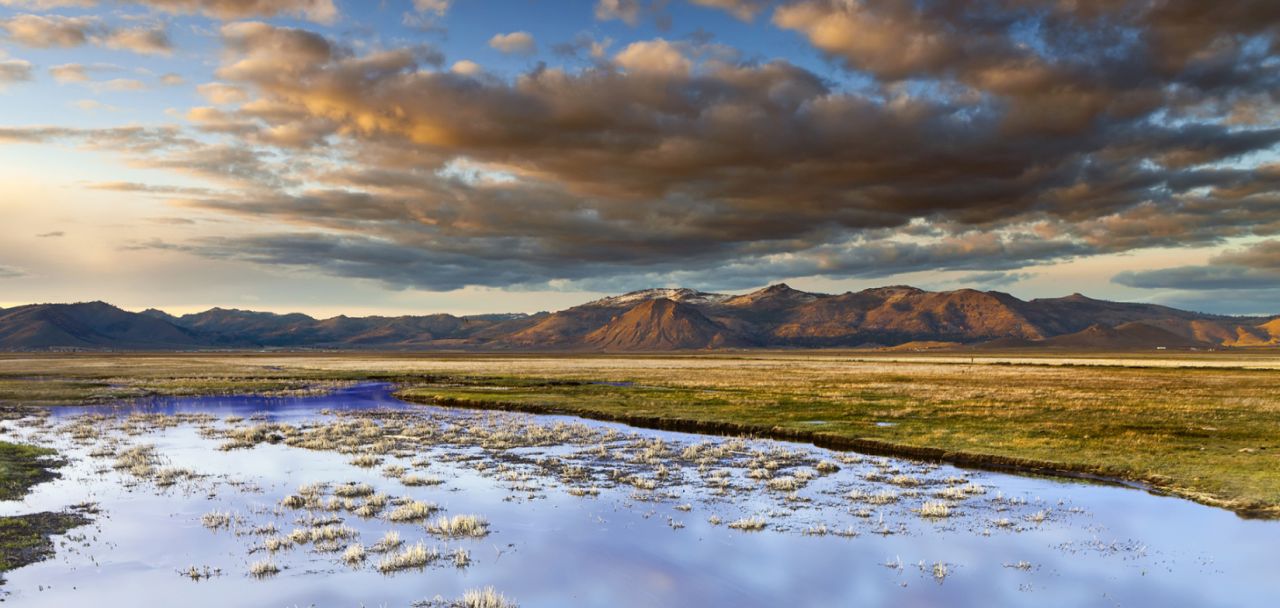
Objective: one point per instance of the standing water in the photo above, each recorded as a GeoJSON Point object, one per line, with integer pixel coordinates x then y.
{"type": "Point", "coordinates": [266, 501]}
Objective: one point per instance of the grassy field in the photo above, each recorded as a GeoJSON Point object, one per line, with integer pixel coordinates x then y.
{"type": "Point", "coordinates": [23, 466]}
{"type": "Point", "coordinates": [25, 539]}
{"type": "Point", "coordinates": [1205, 426]}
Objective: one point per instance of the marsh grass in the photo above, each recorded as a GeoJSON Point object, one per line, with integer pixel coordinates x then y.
{"type": "Point", "coordinates": [1102, 413]}
{"type": "Point", "coordinates": [458, 526]}
{"type": "Point", "coordinates": [331, 533]}
{"type": "Point", "coordinates": [389, 541]}
{"type": "Point", "coordinates": [414, 480]}
{"type": "Point", "coordinates": [487, 597]}
{"type": "Point", "coordinates": [354, 554]}
{"type": "Point", "coordinates": [366, 461]}
{"type": "Point", "coordinates": [749, 524]}
{"type": "Point", "coordinates": [413, 511]}
{"type": "Point", "coordinates": [935, 509]}
{"type": "Point", "coordinates": [276, 544]}
{"type": "Point", "coordinates": [353, 490]}
{"type": "Point", "coordinates": [199, 573]}
{"type": "Point", "coordinates": [263, 569]}
{"type": "Point", "coordinates": [461, 557]}
{"type": "Point", "coordinates": [415, 556]}
{"type": "Point", "coordinates": [217, 520]}
{"type": "Point", "coordinates": [940, 571]}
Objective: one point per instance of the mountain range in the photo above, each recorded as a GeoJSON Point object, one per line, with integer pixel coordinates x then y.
{"type": "Point", "coordinates": [664, 320]}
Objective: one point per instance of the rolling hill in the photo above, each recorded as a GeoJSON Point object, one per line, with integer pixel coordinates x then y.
{"type": "Point", "coordinates": [89, 325]}
{"type": "Point", "coordinates": [777, 316]}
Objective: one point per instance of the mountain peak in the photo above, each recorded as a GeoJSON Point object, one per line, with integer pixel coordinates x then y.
{"type": "Point", "coordinates": [675, 294]}
{"type": "Point", "coordinates": [890, 290]}
{"type": "Point", "coordinates": [156, 313]}
{"type": "Point", "coordinates": [777, 295]}
{"type": "Point", "coordinates": [659, 324]}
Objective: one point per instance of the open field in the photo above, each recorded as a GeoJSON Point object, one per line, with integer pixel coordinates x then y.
{"type": "Point", "coordinates": [1204, 426]}
{"type": "Point", "coordinates": [327, 491]}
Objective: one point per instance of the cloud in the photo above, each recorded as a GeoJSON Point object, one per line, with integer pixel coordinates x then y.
{"type": "Point", "coordinates": [44, 5]}
{"type": "Point", "coordinates": [1059, 67]}
{"type": "Point", "coordinates": [320, 11]}
{"type": "Point", "coordinates": [48, 32]}
{"type": "Point", "coordinates": [222, 93]}
{"type": "Point", "coordinates": [146, 41]}
{"type": "Point", "coordinates": [76, 72]}
{"type": "Point", "coordinates": [520, 43]}
{"type": "Point", "coordinates": [57, 31]}
{"type": "Point", "coordinates": [361, 257]}
{"type": "Point", "coordinates": [1260, 302]}
{"type": "Point", "coordinates": [14, 71]}
{"type": "Point", "coordinates": [1263, 255]}
{"type": "Point", "coordinates": [745, 10]}
{"type": "Point", "coordinates": [11, 272]}
{"type": "Point", "coordinates": [654, 57]}
{"type": "Point", "coordinates": [467, 67]}
{"type": "Point", "coordinates": [50, 235]}
{"type": "Point", "coordinates": [119, 85]}
{"type": "Point", "coordinates": [135, 187]}
{"type": "Point", "coordinates": [1256, 267]}
{"type": "Point", "coordinates": [93, 105]}
{"type": "Point", "coordinates": [1201, 277]}
{"type": "Point", "coordinates": [583, 45]}
{"type": "Point", "coordinates": [991, 280]}
{"type": "Point", "coordinates": [436, 7]}
{"type": "Point", "coordinates": [627, 11]}
{"type": "Point", "coordinates": [972, 148]}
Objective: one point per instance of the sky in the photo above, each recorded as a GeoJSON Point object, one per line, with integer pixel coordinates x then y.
{"type": "Point", "coordinates": [474, 156]}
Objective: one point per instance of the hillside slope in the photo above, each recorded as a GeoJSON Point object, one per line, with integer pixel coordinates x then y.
{"type": "Point", "coordinates": [777, 316]}
{"type": "Point", "coordinates": [661, 324]}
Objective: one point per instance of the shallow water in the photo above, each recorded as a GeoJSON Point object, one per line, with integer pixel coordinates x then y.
{"type": "Point", "coordinates": [1023, 542]}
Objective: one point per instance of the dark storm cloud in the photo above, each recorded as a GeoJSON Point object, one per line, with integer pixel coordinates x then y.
{"type": "Point", "coordinates": [1254, 267]}
{"type": "Point", "coordinates": [441, 263]}
{"type": "Point", "coordinates": [392, 264]}
{"type": "Point", "coordinates": [1262, 302]}
{"type": "Point", "coordinates": [991, 280]}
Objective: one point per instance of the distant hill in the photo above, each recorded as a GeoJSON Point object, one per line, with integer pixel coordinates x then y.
{"type": "Point", "coordinates": [1126, 336]}
{"type": "Point", "coordinates": [899, 317]}
{"type": "Point", "coordinates": [89, 325]}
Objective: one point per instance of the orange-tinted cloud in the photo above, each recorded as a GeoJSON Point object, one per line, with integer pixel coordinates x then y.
{"type": "Point", "coordinates": [968, 140]}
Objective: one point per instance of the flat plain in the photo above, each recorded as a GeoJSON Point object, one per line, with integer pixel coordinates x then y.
{"type": "Point", "coordinates": [351, 478]}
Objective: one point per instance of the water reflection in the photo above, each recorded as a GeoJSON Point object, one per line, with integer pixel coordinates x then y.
{"type": "Point", "coordinates": [1097, 545]}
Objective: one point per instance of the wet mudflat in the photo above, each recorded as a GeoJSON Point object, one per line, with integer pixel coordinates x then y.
{"type": "Point", "coordinates": [354, 498]}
